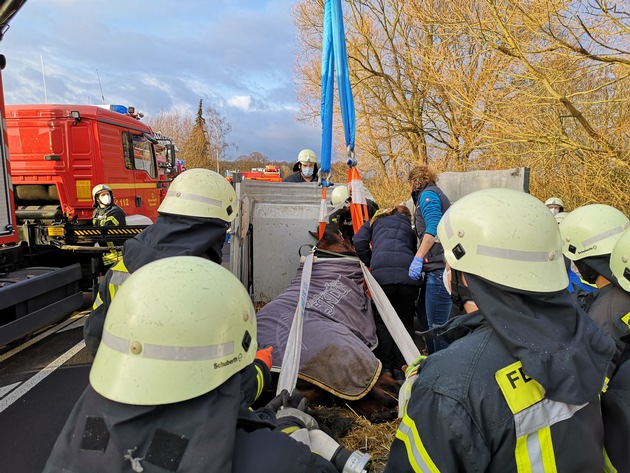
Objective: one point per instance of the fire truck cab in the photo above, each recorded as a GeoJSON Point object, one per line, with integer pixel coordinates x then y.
{"type": "Point", "coordinates": [59, 152]}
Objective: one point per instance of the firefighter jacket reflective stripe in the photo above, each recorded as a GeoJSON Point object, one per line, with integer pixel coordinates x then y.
{"type": "Point", "coordinates": [473, 408]}
{"type": "Point", "coordinates": [434, 257]}
{"type": "Point", "coordinates": [211, 433]}
{"type": "Point", "coordinates": [110, 215]}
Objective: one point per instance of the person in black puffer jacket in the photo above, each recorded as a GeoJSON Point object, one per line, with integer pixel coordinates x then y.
{"type": "Point", "coordinates": [387, 245]}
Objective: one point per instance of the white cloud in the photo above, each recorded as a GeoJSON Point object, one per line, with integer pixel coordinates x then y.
{"type": "Point", "coordinates": [240, 101]}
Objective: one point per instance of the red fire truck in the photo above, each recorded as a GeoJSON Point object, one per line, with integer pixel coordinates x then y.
{"type": "Point", "coordinates": [269, 173]}
{"type": "Point", "coordinates": [59, 152]}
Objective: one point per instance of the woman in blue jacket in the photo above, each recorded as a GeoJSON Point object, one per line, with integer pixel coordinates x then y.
{"type": "Point", "coordinates": [387, 245]}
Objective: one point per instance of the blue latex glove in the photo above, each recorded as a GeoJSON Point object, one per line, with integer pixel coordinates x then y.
{"type": "Point", "coordinates": [415, 270]}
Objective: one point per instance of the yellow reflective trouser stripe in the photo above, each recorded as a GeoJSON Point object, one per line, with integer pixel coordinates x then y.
{"type": "Point", "coordinates": [608, 466]}
{"type": "Point", "coordinates": [417, 455]}
{"type": "Point", "coordinates": [534, 453]}
{"type": "Point", "coordinates": [260, 380]}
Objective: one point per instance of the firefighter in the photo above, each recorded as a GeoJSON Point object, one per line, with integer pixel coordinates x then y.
{"type": "Point", "coordinates": [517, 388]}
{"type": "Point", "coordinates": [555, 205]}
{"type": "Point", "coordinates": [193, 219]}
{"type": "Point", "coordinates": [165, 386]}
{"type": "Point", "coordinates": [590, 235]}
{"type": "Point", "coordinates": [106, 212]}
{"type": "Point", "coordinates": [341, 198]}
{"type": "Point", "coordinates": [305, 168]}
{"type": "Point", "coordinates": [616, 399]}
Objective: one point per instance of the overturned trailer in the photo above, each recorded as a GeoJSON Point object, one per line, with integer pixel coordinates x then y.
{"type": "Point", "coordinates": [276, 218]}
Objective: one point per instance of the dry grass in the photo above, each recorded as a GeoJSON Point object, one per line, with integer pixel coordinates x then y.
{"type": "Point", "coordinates": [363, 435]}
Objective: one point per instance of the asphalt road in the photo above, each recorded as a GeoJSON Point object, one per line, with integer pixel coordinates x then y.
{"type": "Point", "coordinates": [40, 381]}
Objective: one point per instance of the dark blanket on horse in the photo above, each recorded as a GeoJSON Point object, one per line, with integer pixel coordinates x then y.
{"type": "Point", "coordinates": [339, 333]}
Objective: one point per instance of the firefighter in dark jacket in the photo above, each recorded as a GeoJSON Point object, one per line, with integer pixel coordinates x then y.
{"type": "Point", "coordinates": [590, 237]}
{"type": "Point", "coordinates": [387, 245]}
{"type": "Point", "coordinates": [305, 168]}
{"type": "Point", "coordinates": [518, 387]}
{"type": "Point", "coordinates": [193, 220]}
{"type": "Point", "coordinates": [165, 386]}
{"type": "Point", "coordinates": [342, 217]}
{"type": "Point", "coordinates": [106, 213]}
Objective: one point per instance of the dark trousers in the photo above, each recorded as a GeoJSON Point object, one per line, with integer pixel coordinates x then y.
{"type": "Point", "coordinates": [403, 299]}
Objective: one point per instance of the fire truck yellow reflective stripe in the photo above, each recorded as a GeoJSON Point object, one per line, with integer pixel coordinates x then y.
{"type": "Point", "coordinates": [606, 234]}
{"type": "Point", "coordinates": [520, 391]}
{"type": "Point", "coordinates": [193, 197]}
{"type": "Point", "coordinates": [138, 185]}
{"type": "Point", "coordinates": [518, 255]}
{"type": "Point", "coordinates": [608, 466]}
{"type": "Point", "coordinates": [170, 353]}
{"type": "Point", "coordinates": [260, 381]}
{"type": "Point", "coordinates": [417, 454]}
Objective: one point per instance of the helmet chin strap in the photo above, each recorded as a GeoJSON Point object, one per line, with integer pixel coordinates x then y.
{"type": "Point", "coordinates": [460, 294]}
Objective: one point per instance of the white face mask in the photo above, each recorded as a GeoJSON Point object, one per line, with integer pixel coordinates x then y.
{"type": "Point", "coordinates": [555, 211]}
{"type": "Point", "coordinates": [308, 172]}
{"type": "Point", "coordinates": [445, 279]}
{"type": "Point", "coordinates": [105, 199]}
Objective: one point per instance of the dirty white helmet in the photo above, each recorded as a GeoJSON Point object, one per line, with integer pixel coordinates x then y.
{"type": "Point", "coordinates": [591, 230]}
{"type": "Point", "coordinates": [620, 260]}
{"type": "Point", "coordinates": [339, 194]}
{"type": "Point", "coordinates": [507, 237]}
{"type": "Point", "coordinates": [554, 201]}
{"type": "Point", "coordinates": [201, 193]}
{"type": "Point", "coordinates": [96, 190]}
{"type": "Point", "coordinates": [162, 346]}
{"type": "Point", "coordinates": [304, 157]}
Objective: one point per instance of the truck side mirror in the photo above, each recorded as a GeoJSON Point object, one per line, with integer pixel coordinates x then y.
{"type": "Point", "coordinates": [171, 162]}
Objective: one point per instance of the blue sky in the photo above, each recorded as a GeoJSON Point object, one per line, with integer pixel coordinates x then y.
{"type": "Point", "coordinates": [160, 55]}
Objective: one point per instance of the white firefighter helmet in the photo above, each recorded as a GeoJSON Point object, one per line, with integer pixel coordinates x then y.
{"type": "Point", "coordinates": [339, 194]}
{"type": "Point", "coordinates": [162, 346]}
{"type": "Point", "coordinates": [507, 237]}
{"type": "Point", "coordinates": [591, 230]}
{"type": "Point", "coordinates": [201, 193]}
{"type": "Point", "coordinates": [620, 260]}
{"type": "Point", "coordinates": [554, 201]}
{"type": "Point", "coordinates": [304, 157]}
{"type": "Point", "coordinates": [97, 189]}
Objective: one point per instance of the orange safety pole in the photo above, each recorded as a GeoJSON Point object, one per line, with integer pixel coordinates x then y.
{"type": "Point", "coordinates": [358, 204]}
{"type": "Point", "coordinates": [322, 213]}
